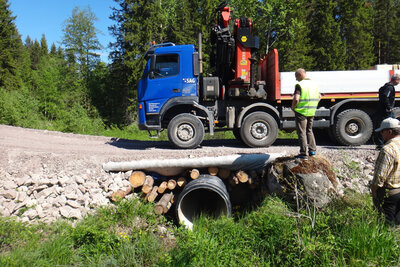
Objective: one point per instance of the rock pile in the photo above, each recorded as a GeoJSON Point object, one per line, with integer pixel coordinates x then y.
{"type": "Point", "coordinates": [36, 196]}
{"type": "Point", "coordinates": [52, 190]}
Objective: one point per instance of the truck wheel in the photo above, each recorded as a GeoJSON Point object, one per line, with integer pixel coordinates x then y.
{"type": "Point", "coordinates": [185, 131]}
{"type": "Point", "coordinates": [259, 129]}
{"type": "Point", "coordinates": [353, 127]}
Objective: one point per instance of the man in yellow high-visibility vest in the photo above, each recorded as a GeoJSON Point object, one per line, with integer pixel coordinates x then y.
{"type": "Point", "coordinates": [305, 102]}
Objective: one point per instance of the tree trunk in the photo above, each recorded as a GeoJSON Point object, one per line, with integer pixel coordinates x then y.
{"type": "Point", "coordinates": [153, 194]}
{"type": "Point", "coordinates": [162, 187]}
{"type": "Point", "coordinates": [120, 194]}
{"type": "Point", "coordinates": [242, 176]}
{"type": "Point", "coordinates": [137, 179]}
{"type": "Point", "coordinates": [213, 170]}
{"type": "Point", "coordinates": [148, 184]}
{"type": "Point", "coordinates": [194, 174]}
{"type": "Point", "coordinates": [181, 182]}
{"type": "Point", "coordinates": [171, 184]}
{"type": "Point", "coordinates": [162, 205]}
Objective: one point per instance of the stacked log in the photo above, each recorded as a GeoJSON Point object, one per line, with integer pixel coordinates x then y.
{"type": "Point", "coordinates": [194, 174]}
{"type": "Point", "coordinates": [162, 190]}
{"type": "Point", "coordinates": [164, 204]}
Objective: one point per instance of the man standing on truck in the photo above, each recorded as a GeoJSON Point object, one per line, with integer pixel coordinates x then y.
{"type": "Point", "coordinates": [305, 102]}
{"type": "Point", "coordinates": [385, 186]}
{"type": "Point", "coordinates": [386, 105]}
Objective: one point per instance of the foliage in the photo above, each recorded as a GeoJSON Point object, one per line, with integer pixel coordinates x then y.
{"type": "Point", "coordinates": [356, 29]}
{"type": "Point", "coordinates": [69, 83]}
{"type": "Point", "coordinates": [10, 47]}
{"type": "Point", "coordinates": [348, 232]}
{"type": "Point", "coordinates": [327, 47]}
{"type": "Point", "coordinates": [80, 38]}
{"type": "Point", "coordinates": [386, 31]}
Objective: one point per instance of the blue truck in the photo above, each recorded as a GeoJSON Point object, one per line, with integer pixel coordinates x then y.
{"type": "Point", "coordinates": [174, 94]}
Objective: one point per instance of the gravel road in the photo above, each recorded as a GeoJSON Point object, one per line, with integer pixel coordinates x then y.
{"type": "Point", "coordinates": [29, 156]}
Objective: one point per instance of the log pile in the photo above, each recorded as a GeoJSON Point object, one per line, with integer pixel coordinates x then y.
{"type": "Point", "coordinates": [163, 190]}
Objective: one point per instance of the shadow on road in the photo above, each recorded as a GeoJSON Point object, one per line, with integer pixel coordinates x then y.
{"type": "Point", "coordinates": [233, 143]}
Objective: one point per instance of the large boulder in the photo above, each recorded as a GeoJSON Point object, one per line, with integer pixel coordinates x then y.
{"type": "Point", "coordinates": [309, 180]}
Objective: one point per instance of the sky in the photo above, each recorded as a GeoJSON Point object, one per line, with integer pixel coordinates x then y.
{"type": "Point", "coordinates": [37, 17]}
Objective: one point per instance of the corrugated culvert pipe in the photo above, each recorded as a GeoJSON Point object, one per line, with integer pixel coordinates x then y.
{"type": "Point", "coordinates": [205, 195]}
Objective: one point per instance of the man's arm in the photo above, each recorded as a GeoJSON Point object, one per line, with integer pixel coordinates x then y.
{"type": "Point", "coordinates": [382, 169]}
{"type": "Point", "coordinates": [296, 99]}
{"type": "Point", "coordinates": [384, 97]}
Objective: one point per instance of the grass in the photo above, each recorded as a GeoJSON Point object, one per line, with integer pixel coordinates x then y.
{"type": "Point", "coordinates": [346, 233]}
{"type": "Point", "coordinates": [132, 132]}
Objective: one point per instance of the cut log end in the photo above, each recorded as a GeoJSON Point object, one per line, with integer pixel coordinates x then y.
{"type": "Point", "coordinates": [171, 184]}
{"type": "Point", "coordinates": [181, 182]}
{"type": "Point", "coordinates": [194, 174]}
{"type": "Point", "coordinates": [148, 184]}
{"type": "Point", "coordinates": [242, 176]}
{"type": "Point", "coordinates": [164, 204]}
{"type": "Point", "coordinates": [153, 194]}
{"type": "Point", "coordinates": [137, 179]}
{"type": "Point", "coordinates": [213, 170]}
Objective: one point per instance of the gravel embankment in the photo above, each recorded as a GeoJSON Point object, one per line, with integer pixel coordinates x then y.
{"type": "Point", "coordinates": [49, 175]}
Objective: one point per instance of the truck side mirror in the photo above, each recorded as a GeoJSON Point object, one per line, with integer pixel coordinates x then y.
{"type": "Point", "coordinates": [152, 66]}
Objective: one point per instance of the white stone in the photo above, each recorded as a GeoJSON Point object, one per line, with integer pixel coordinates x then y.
{"type": "Point", "coordinates": [23, 188]}
{"type": "Point", "coordinates": [31, 214]}
{"type": "Point", "coordinates": [9, 185]}
{"type": "Point", "coordinates": [60, 201]}
{"type": "Point", "coordinates": [73, 204]}
{"type": "Point", "coordinates": [9, 207]}
{"type": "Point", "coordinates": [9, 194]}
{"type": "Point", "coordinates": [21, 196]}
{"type": "Point", "coordinates": [69, 212]}
{"type": "Point", "coordinates": [40, 212]}
{"type": "Point", "coordinates": [79, 180]}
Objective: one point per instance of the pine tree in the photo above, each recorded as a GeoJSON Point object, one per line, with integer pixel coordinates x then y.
{"type": "Point", "coordinates": [36, 53]}
{"type": "Point", "coordinates": [80, 39]}
{"type": "Point", "coordinates": [328, 50]}
{"type": "Point", "coordinates": [355, 19]}
{"type": "Point", "coordinates": [10, 48]}
{"type": "Point", "coordinates": [387, 30]}
{"type": "Point", "coordinates": [284, 26]}
{"type": "Point", "coordinates": [43, 46]}
{"type": "Point", "coordinates": [53, 50]}
{"type": "Point", "coordinates": [137, 24]}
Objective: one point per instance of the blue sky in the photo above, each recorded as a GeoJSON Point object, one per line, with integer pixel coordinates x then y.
{"type": "Point", "coordinates": [37, 17]}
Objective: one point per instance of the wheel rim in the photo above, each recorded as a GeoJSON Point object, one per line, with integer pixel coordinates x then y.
{"type": "Point", "coordinates": [353, 127]}
{"type": "Point", "coordinates": [185, 132]}
{"type": "Point", "coordinates": [259, 130]}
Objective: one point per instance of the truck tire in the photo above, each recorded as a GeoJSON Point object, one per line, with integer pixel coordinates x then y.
{"type": "Point", "coordinates": [353, 127]}
{"type": "Point", "coordinates": [259, 129]}
{"type": "Point", "coordinates": [185, 131]}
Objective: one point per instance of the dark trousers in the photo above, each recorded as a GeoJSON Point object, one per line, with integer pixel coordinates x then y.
{"type": "Point", "coordinates": [379, 117]}
{"type": "Point", "coordinates": [388, 205]}
{"type": "Point", "coordinates": [305, 133]}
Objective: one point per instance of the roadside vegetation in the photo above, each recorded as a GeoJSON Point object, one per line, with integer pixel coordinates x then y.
{"type": "Point", "coordinates": [346, 233]}
{"type": "Point", "coordinates": [66, 87]}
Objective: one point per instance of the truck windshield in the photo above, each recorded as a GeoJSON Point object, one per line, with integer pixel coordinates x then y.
{"type": "Point", "coordinates": [166, 66]}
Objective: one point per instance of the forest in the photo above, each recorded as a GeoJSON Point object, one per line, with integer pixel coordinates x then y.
{"type": "Point", "coordinates": [68, 88]}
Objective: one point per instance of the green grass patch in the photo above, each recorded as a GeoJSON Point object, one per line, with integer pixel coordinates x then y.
{"type": "Point", "coordinates": [346, 233]}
